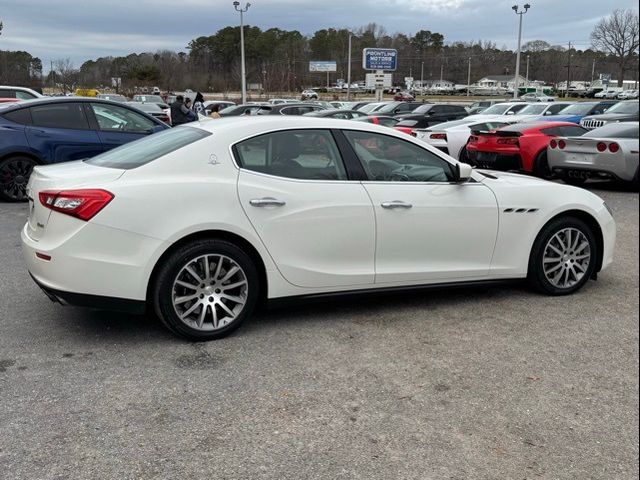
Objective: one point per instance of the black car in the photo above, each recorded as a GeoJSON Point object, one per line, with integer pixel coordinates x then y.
{"type": "Point", "coordinates": [337, 113]}
{"type": "Point", "coordinates": [626, 111]}
{"type": "Point", "coordinates": [431, 114]}
{"type": "Point", "coordinates": [398, 108]}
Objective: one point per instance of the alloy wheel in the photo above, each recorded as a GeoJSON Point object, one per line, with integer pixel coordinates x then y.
{"type": "Point", "coordinates": [566, 258]}
{"type": "Point", "coordinates": [14, 176]}
{"type": "Point", "coordinates": [210, 292]}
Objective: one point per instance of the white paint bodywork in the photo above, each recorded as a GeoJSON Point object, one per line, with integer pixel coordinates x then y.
{"type": "Point", "coordinates": [330, 236]}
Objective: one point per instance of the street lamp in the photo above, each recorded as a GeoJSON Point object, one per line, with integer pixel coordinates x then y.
{"type": "Point", "coordinates": [516, 9]}
{"type": "Point", "coordinates": [243, 73]}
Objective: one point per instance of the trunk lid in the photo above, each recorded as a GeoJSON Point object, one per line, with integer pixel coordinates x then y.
{"type": "Point", "coordinates": [63, 176]}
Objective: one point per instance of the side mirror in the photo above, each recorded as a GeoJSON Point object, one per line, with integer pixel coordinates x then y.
{"type": "Point", "coordinates": [511, 112]}
{"type": "Point", "coordinates": [463, 171]}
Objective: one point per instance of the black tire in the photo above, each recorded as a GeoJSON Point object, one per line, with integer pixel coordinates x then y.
{"type": "Point", "coordinates": [541, 166]}
{"type": "Point", "coordinates": [537, 276]}
{"type": "Point", "coordinates": [14, 176]}
{"type": "Point", "coordinates": [162, 292]}
{"type": "Point", "coordinates": [576, 182]}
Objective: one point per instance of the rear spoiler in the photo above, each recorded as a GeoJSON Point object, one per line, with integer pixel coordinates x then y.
{"type": "Point", "coordinates": [500, 133]}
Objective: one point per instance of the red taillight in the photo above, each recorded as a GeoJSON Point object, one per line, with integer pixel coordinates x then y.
{"type": "Point", "coordinates": [553, 144]}
{"type": "Point", "coordinates": [82, 204]}
{"type": "Point", "coordinates": [508, 141]}
{"type": "Point", "coordinates": [438, 136]}
{"type": "Point", "coordinates": [562, 144]}
{"type": "Point", "coordinates": [614, 147]}
{"type": "Point", "coordinates": [601, 146]}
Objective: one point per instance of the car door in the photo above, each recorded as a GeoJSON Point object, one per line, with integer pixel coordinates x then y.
{"type": "Point", "coordinates": [429, 228]}
{"type": "Point", "coordinates": [315, 220]}
{"type": "Point", "coordinates": [118, 125]}
{"type": "Point", "coordinates": [60, 132]}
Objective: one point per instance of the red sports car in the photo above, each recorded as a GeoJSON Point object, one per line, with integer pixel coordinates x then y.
{"type": "Point", "coordinates": [386, 122]}
{"type": "Point", "coordinates": [521, 147]}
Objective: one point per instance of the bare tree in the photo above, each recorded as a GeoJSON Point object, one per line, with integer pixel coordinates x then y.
{"type": "Point", "coordinates": [67, 75]}
{"type": "Point", "coordinates": [617, 35]}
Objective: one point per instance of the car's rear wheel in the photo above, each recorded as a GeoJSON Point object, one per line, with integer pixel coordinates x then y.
{"type": "Point", "coordinates": [563, 257]}
{"type": "Point", "coordinates": [14, 176]}
{"type": "Point", "coordinates": [205, 289]}
{"type": "Point", "coordinates": [541, 166]}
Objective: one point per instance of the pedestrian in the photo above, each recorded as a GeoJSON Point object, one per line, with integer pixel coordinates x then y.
{"type": "Point", "coordinates": [215, 109]}
{"type": "Point", "coordinates": [198, 103]}
{"type": "Point", "coordinates": [179, 112]}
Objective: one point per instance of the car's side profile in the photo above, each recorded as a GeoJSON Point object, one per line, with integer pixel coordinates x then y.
{"type": "Point", "coordinates": [53, 130]}
{"type": "Point", "coordinates": [202, 221]}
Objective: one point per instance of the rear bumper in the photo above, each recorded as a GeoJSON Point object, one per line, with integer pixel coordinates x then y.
{"type": "Point", "coordinates": [594, 166]}
{"type": "Point", "coordinates": [495, 161]}
{"type": "Point", "coordinates": [124, 305]}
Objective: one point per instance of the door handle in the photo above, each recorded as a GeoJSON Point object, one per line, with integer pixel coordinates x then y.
{"type": "Point", "coordinates": [267, 202]}
{"type": "Point", "coordinates": [396, 204]}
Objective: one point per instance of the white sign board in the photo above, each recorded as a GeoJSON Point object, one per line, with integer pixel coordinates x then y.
{"type": "Point", "coordinates": [384, 80]}
{"type": "Point", "coordinates": [116, 81]}
{"type": "Point", "coordinates": [315, 66]}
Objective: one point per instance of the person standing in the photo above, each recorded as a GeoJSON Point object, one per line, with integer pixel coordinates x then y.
{"type": "Point", "coordinates": [198, 104]}
{"type": "Point", "coordinates": [179, 112]}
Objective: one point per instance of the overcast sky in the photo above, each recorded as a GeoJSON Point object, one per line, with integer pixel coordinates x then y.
{"type": "Point", "coordinates": [90, 29]}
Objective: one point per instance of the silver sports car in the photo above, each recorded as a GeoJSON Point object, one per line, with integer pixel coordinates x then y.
{"type": "Point", "coordinates": [606, 152]}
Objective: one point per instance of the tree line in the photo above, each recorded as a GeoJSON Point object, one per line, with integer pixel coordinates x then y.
{"type": "Point", "coordinates": [279, 59]}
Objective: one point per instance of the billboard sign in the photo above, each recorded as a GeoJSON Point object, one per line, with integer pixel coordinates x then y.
{"type": "Point", "coordinates": [380, 59]}
{"type": "Point", "coordinates": [316, 66]}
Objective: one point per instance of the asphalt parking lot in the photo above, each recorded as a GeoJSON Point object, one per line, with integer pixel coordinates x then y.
{"type": "Point", "coordinates": [487, 383]}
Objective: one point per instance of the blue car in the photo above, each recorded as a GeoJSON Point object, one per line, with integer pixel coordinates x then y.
{"type": "Point", "coordinates": [574, 113]}
{"type": "Point", "coordinates": [52, 130]}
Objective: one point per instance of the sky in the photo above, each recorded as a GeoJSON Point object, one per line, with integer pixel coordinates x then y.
{"type": "Point", "coordinates": [82, 30]}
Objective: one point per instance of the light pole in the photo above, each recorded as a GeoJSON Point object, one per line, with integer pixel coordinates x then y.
{"type": "Point", "coordinates": [469, 78]}
{"type": "Point", "coordinates": [527, 75]}
{"type": "Point", "coordinates": [515, 8]}
{"type": "Point", "coordinates": [243, 72]}
{"type": "Point", "coordinates": [349, 70]}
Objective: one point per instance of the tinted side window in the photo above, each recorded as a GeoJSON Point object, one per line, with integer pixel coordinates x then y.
{"type": "Point", "coordinates": [300, 154]}
{"type": "Point", "coordinates": [290, 111]}
{"type": "Point", "coordinates": [553, 109]}
{"type": "Point", "coordinates": [390, 159]}
{"type": "Point", "coordinates": [21, 116]}
{"type": "Point", "coordinates": [7, 94]}
{"type": "Point", "coordinates": [572, 131]}
{"type": "Point", "coordinates": [111, 118]}
{"type": "Point", "coordinates": [551, 131]}
{"type": "Point", "coordinates": [60, 115]}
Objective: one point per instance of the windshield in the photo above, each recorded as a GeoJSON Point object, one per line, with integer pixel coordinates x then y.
{"type": "Point", "coordinates": [387, 108]}
{"type": "Point", "coordinates": [370, 107]}
{"type": "Point", "coordinates": [148, 98]}
{"type": "Point", "coordinates": [577, 109]}
{"type": "Point", "coordinates": [498, 109]}
{"type": "Point", "coordinates": [624, 107]}
{"type": "Point", "coordinates": [422, 109]}
{"type": "Point", "coordinates": [533, 110]}
{"type": "Point", "coordinates": [137, 153]}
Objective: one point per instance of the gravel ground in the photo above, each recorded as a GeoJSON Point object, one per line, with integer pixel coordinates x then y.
{"type": "Point", "coordinates": [484, 383]}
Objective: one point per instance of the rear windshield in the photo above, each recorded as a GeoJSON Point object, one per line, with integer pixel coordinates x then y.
{"type": "Point", "coordinates": [533, 109]}
{"type": "Point", "coordinates": [615, 130]}
{"type": "Point", "coordinates": [138, 153]}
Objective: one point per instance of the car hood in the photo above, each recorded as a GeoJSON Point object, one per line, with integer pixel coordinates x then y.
{"type": "Point", "coordinates": [613, 117]}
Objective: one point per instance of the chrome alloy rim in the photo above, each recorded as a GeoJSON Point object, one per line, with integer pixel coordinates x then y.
{"type": "Point", "coordinates": [566, 258]}
{"type": "Point", "coordinates": [209, 292]}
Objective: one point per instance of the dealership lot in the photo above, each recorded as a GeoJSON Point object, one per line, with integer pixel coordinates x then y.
{"type": "Point", "coordinates": [474, 383]}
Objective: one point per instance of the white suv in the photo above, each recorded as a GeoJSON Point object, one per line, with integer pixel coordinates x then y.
{"type": "Point", "coordinates": [21, 93]}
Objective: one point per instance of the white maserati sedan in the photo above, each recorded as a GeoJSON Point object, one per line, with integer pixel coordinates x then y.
{"type": "Point", "coordinates": [201, 222]}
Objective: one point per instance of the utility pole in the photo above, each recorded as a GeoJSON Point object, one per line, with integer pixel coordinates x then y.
{"type": "Point", "coordinates": [593, 70]}
{"type": "Point", "coordinates": [520, 14]}
{"type": "Point", "coordinates": [566, 94]}
{"type": "Point", "coordinates": [469, 78]}
{"type": "Point", "coordinates": [527, 76]}
{"type": "Point", "coordinates": [422, 78]}
{"type": "Point", "coordinates": [441, 73]}
{"type": "Point", "coordinates": [243, 72]}
{"type": "Point", "coordinates": [349, 70]}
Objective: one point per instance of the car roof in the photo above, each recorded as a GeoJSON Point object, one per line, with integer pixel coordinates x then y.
{"type": "Point", "coordinates": [528, 126]}
{"type": "Point", "coordinates": [234, 129]}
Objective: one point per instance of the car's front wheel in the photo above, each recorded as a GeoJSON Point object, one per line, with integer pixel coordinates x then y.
{"type": "Point", "coordinates": [563, 257]}
{"type": "Point", "coordinates": [205, 289]}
